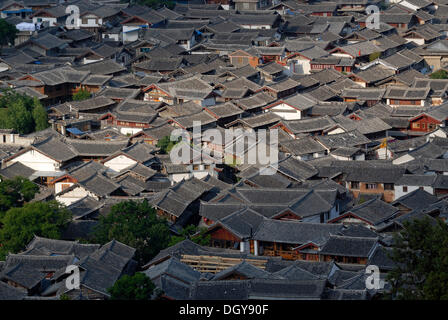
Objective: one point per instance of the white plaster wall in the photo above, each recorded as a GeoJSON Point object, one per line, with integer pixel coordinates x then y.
{"type": "Point", "coordinates": [279, 110]}
{"type": "Point", "coordinates": [58, 186]}
{"type": "Point", "coordinates": [336, 131]}
{"type": "Point", "coordinates": [399, 190]}
{"type": "Point", "coordinates": [119, 163]}
{"type": "Point", "coordinates": [74, 195]}
{"type": "Point", "coordinates": [130, 131]}
{"type": "Point", "coordinates": [51, 21]}
{"type": "Point", "coordinates": [36, 160]}
{"type": "Point", "coordinates": [403, 159]}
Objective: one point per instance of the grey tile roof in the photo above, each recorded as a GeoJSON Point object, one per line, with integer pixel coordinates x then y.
{"type": "Point", "coordinates": [159, 132]}
{"type": "Point", "coordinates": [103, 67]}
{"type": "Point", "coordinates": [346, 139]}
{"type": "Point", "coordinates": [17, 169]}
{"type": "Point", "coordinates": [312, 203]}
{"type": "Point", "coordinates": [374, 211]}
{"type": "Point", "coordinates": [61, 75]}
{"type": "Point", "coordinates": [345, 294]}
{"type": "Point", "coordinates": [244, 269]}
{"type": "Point", "coordinates": [119, 93]}
{"type": "Point", "coordinates": [91, 104]}
{"type": "Point", "coordinates": [295, 272]}
{"type": "Point", "coordinates": [173, 267]}
{"type": "Point", "coordinates": [364, 126]}
{"type": "Point", "coordinates": [418, 180]}
{"type": "Point", "coordinates": [354, 230]}
{"type": "Point", "coordinates": [94, 147]}
{"type": "Point", "coordinates": [303, 146]}
{"type": "Point", "coordinates": [349, 246]}
{"type": "Point", "coordinates": [257, 100]}
{"type": "Point", "coordinates": [60, 247]}
{"type": "Point", "coordinates": [296, 169]}
{"type": "Point", "coordinates": [29, 270]}
{"type": "Point", "coordinates": [8, 292]}
{"type": "Point", "coordinates": [242, 223]}
{"type": "Point", "coordinates": [286, 289]}
{"type": "Point", "coordinates": [309, 124]}
{"type": "Point", "coordinates": [217, 211]}
{"type": "Point", "coordinates": [55, 148]}
{"type": "Point", "coordinates": [380, 258]}
{"type": "Point", "coordinates": [294, 232]}
{"type": "Point", "coordinates": [139, 151]}
{"type": "Point", "coordinates": [84, 206]}
{"type": "Point", "coordinates": [224, 110]}
{"type": "Point", "coordinates": [220, 290]}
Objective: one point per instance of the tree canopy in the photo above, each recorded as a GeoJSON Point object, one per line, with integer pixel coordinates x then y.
{"type": "Point", "coordinates": [195, 234]}
{"type": "Point", "coordinates": [136, 287]}
{"type": "Point", "coordinates": [165, 144]}
{"type": "Point", "coordinates": [15, 192]}
{"type": "Point", "coordinates": [156, 4]}
{"type": "Point", "coordinates": [421, 256]}
{"type": "Point", "coordinates": [21, 113]}
{"type": "Point", "coordinates": [136, 224]}
{"type": "Point", "coordinates": [81, 95]}
{"type": "Point", "coordinates": [19, 225]}
{"type": "Point", "coordinates": [439, 74]}
{"type": "Point", "coordinates": [8, 33]}
{"type": "Point", "coordinates": [374, 56]}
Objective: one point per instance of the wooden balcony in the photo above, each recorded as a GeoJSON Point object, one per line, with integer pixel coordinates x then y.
{"type": "Point", "coordinates": [287, 255]}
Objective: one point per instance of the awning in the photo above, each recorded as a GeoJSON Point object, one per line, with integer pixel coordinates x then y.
{"type": "Point", "coordinates": [75, 131]}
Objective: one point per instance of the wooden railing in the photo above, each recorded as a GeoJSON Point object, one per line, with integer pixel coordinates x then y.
{"type": "Point", "coordinates": [288, 255]}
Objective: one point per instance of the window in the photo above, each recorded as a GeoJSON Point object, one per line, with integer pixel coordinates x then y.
{"type": "Point", "coordinates": [388, 186]}
{"type": "Point", "coordinates": [355, 185]}
{"type": "Point", "coordinates": [370, 186]}
{"type": "Point", "coordinates": [405, 189]}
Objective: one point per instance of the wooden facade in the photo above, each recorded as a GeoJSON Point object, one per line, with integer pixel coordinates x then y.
{"type": "Point", "coordinates": [241, 58]}
{"type": "Point", "coordinates": [223, 238]}
{"type": "Point", "coordinates": [424, 123]}
{"type": "Point", "coordinates": [384, 189]}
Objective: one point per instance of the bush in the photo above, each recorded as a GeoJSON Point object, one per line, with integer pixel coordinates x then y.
{"type": "Point", "coordinates": [374, 56]}
{"type": "Point", "coordinates": [439, 74]}
{"type": "Point", "coordinates": [81, 95]}
{"type": "Point", "coordinates": [21, 113]}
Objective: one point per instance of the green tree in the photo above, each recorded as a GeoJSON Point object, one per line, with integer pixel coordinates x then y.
{"type": "Point", "coordinates": [136, 287]}
{"type": "Point", "coordinates": [156, 4]}
{"type": "Point", "coordinates": [136, 224]}
{"type": "Point", "coordinates": [439, 74]}
{"type": "Point", "coordinates": [8, 33]}
{"type": "Point", "coordinates": [421, 257]}
{"type": "Point", "coordinates": [21, 112]}
{"type": "Point", "coordinates": [195, 234]}
{"type": "Point", "coordinates": [19, 118]}
{"type": "Point", "coordinates": [15, 192]}
{"type": "Point", "coordinates": [19, 225]}
{"type": "Point", "coordinates": [82, 95]}
{"type": "Point", "coordinates": [374, 56]}
{"type": "Point", "coordinates": [40, 116]}
{"type": "Point", "coordinates": [165, 144]}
